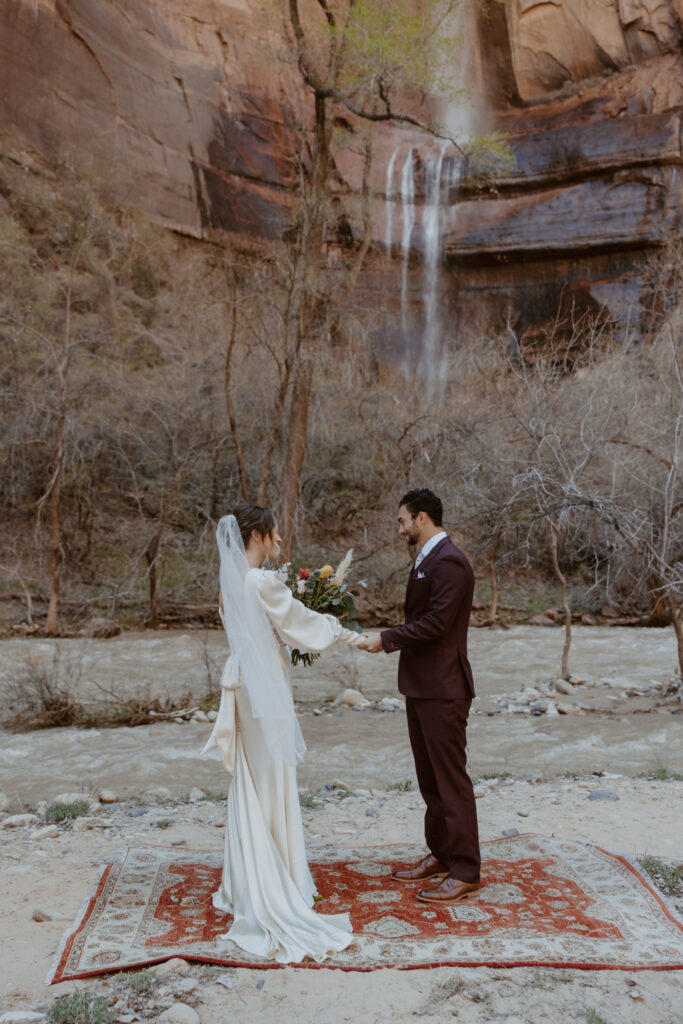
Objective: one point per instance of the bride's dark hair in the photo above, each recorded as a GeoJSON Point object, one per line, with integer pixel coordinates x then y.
{"type": "Point", "coordinates": [253, 517]}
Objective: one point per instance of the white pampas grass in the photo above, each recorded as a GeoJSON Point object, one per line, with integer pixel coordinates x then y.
{"type": "Point", "coordinates": [342, 569]}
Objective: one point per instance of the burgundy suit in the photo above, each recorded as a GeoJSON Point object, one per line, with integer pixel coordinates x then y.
{"type": "Point", "coordinates": [435, 677]}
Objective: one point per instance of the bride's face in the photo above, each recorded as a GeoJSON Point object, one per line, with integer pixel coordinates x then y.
{"type": "Point", "coordinates": [271, 545]}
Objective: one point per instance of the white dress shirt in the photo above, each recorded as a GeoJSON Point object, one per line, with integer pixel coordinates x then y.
{"type": "Point", "coordinates": [428, 545]}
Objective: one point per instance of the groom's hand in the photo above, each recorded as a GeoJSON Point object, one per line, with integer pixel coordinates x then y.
{"type": "Point", "coordinates": [370, 645]}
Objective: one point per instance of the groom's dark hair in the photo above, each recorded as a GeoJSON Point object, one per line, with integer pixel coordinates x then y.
{"type": "Point", "coordinates": [423, 500]}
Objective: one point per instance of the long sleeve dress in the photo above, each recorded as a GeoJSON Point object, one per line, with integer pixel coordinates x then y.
{"type": "Point", "coordinates": [266, 883]}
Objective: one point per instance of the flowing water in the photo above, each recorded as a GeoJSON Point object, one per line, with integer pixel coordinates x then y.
{"type": "Point", "coordinates": [363, 748]}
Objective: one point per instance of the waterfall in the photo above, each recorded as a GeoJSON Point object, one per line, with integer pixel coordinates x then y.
{"type": "Point", "coordinates": [408, 210]}
{"type": "Point", "coordinates": [431, 234]}
{"type": "Point", "coordinates": [389, 203]}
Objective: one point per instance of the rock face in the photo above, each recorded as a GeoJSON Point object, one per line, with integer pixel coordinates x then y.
{"type": "Point", "coordinates": [186, 106]}
{"type": "Point", "coordinates": [169, 99]}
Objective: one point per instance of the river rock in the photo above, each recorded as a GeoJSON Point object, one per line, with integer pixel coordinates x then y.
{"type": "Point", "coordinates": [176, 965]}
{"type": "Point", "coordinates": [49, 832]}
{"type": "Point", "coordinates": [541, 620]}
{"type": "Point", "coordinates": [352, 699]}
{"type": "Point", "coordinates": [46, 914]}
{"type": "Point", "coordinates": [158, 794]}
{"type": "Point", "coordinates": [551, 709]}
{"type": "Point", "coordinates": [197, 794]}
{"type": "Point", "coordinates": [180, 1013]}
{"type": "Point", "coordinates": [4, 802]}
{"type": "Point", "coordinates": [71, 798]}
{"type": "Point", "coordinates": [106, 796]}
{"type": "Point", "coordinates": [200, 716]}
{"type": "Point", "coordinates": [85, 823]}
{"type": "Point", "coordinates": [603, 794]}
{"type": "Point", "coordinates": [212, 715]}
{"type": "Point", "coordinates": [562, 686]}
{"type": "Point", "coordinates": [20, 820]}
{"type": "Point", "coordinates": [510, 832]}
{"type": "Point", "coordinates": [185, 985]}
{"type": "Point", "coordinates": [21, 1016]}
{"type": "Point", "coordinates": [391, 704]}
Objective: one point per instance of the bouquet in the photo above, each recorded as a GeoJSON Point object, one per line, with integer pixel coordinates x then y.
{"type": "Point", "coordinates": [324, 590]}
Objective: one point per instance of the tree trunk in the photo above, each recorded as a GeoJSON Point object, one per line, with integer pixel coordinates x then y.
{"type": "Point", "coordinates": [52, 624]}
{"type": "Point", "coordinates": [230, 405]}
{"type": "Point", "coordinates": [310, 324]}
{"type": "Point", "coordinates": [493, 569]}
{"type": "Point", "coordinates": [295, 454]}
{"type": "Point", "coordinates": [554, 532]}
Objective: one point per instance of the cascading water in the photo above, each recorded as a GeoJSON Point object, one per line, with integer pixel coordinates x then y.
{"type": "Point", "coordinates": [439, 177]}
{"type": "Point", "coordinates": [390, 203]}
{"type": "Point", "coordinates": [431, 235]}
{"type": "Point", "coordinates": [408, 211]}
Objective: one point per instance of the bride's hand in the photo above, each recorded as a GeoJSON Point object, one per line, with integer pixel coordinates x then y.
{"type": "Point", "coordinates": [370, 645]}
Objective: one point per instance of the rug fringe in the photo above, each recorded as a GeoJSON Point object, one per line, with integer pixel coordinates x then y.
{"type": "Point", "coordinates": [117, 858]}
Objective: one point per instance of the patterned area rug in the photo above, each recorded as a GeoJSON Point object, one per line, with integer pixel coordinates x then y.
{"type": "Point", "coordinates": [545, 902]}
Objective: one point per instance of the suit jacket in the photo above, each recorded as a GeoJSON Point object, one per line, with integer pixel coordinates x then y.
{"type": "Point", "coordinates": [433, 643]}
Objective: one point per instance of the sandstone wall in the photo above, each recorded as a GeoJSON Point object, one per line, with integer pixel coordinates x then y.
{"type": "Point", "coordinates": [187, 106]}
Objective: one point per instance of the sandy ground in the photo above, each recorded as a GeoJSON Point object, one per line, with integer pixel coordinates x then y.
{"type": "Point", "coordinates": [551, 762]}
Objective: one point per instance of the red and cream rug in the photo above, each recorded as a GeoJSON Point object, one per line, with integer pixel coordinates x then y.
{"type": "Point", "coordinates": [545, 902]}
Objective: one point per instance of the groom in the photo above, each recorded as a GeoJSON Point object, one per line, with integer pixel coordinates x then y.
{"type": "Point", "coordinates": [435, 677]}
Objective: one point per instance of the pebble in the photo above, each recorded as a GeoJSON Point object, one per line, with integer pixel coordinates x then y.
{"type": "Point", "coordinates": [212, 715]}
{"type": "Point", "coordinates": [352, 699]}
{"type": "Point", "coordinates": [603, 794]}
{"type": "Point", "coordinates": [197, 794]}
{"type": "Point", "coordinates": [509, 832]}
{"type": "Point", "coordinates": [4, 802]}
{"type": "Point", "coordinates": [49, 832]}
{"type": "Point", "coordinates": [523, 812]}
{"type": "Point", "coordinates": [176, 965]}
{"type": "Point", "coordinates": [479, 793]}
{"type": "Point", "coordinates": [86, 823]}
{"type": "Point", "coordinates": [551, 710]}
{"type": "Point", "coordinates": [371, 812]}
{"type": "Point", "coordinates": [137, 812]}
{"type": "Point", "coordinates": [562, 686]}
{"type": "Point", "coordinates": [45, 914]}
{"type": "Point", "coordinates": [180, 1013]}
{"type": "Point", "coordinates": [200, 716]}
{"type": "Point", "coordinates": [20, 820]}
{"type": "Point", "coordinates": [225, 980]}
{"type": "Point", "coordinates": [105, 796]}
{"type": "Point", "coordinates": [539, 707]}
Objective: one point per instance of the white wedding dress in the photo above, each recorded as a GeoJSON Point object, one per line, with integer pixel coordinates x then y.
{"type": "Point", "coordinates": [266, 884]}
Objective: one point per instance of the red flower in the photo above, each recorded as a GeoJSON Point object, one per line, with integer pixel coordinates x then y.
{"type": "Point", "coordinates": [304, 574]}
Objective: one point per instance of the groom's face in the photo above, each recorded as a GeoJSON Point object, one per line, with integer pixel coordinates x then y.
{"type": "Point", "coordinates": [408, 527]}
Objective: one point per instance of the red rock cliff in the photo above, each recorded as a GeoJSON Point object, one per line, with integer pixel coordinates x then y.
{"type": "Point", "coordinates": [185, 104]}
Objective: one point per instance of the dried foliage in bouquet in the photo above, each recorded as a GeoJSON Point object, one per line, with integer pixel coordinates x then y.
{"type": "Point", "coordinates": [323, 590]}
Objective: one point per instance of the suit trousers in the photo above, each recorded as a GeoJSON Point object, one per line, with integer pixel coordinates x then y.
{"type": "Point", "coordinates": [437, 730]}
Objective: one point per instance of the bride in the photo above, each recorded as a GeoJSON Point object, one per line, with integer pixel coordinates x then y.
{"type": "Point", "coordinates": [266, 883]}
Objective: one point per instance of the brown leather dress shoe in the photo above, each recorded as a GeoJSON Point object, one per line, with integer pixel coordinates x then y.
{"type": "Point", "coordinates": [449, 891]}
{"type": "Point", "coordinates": [428, 867]}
